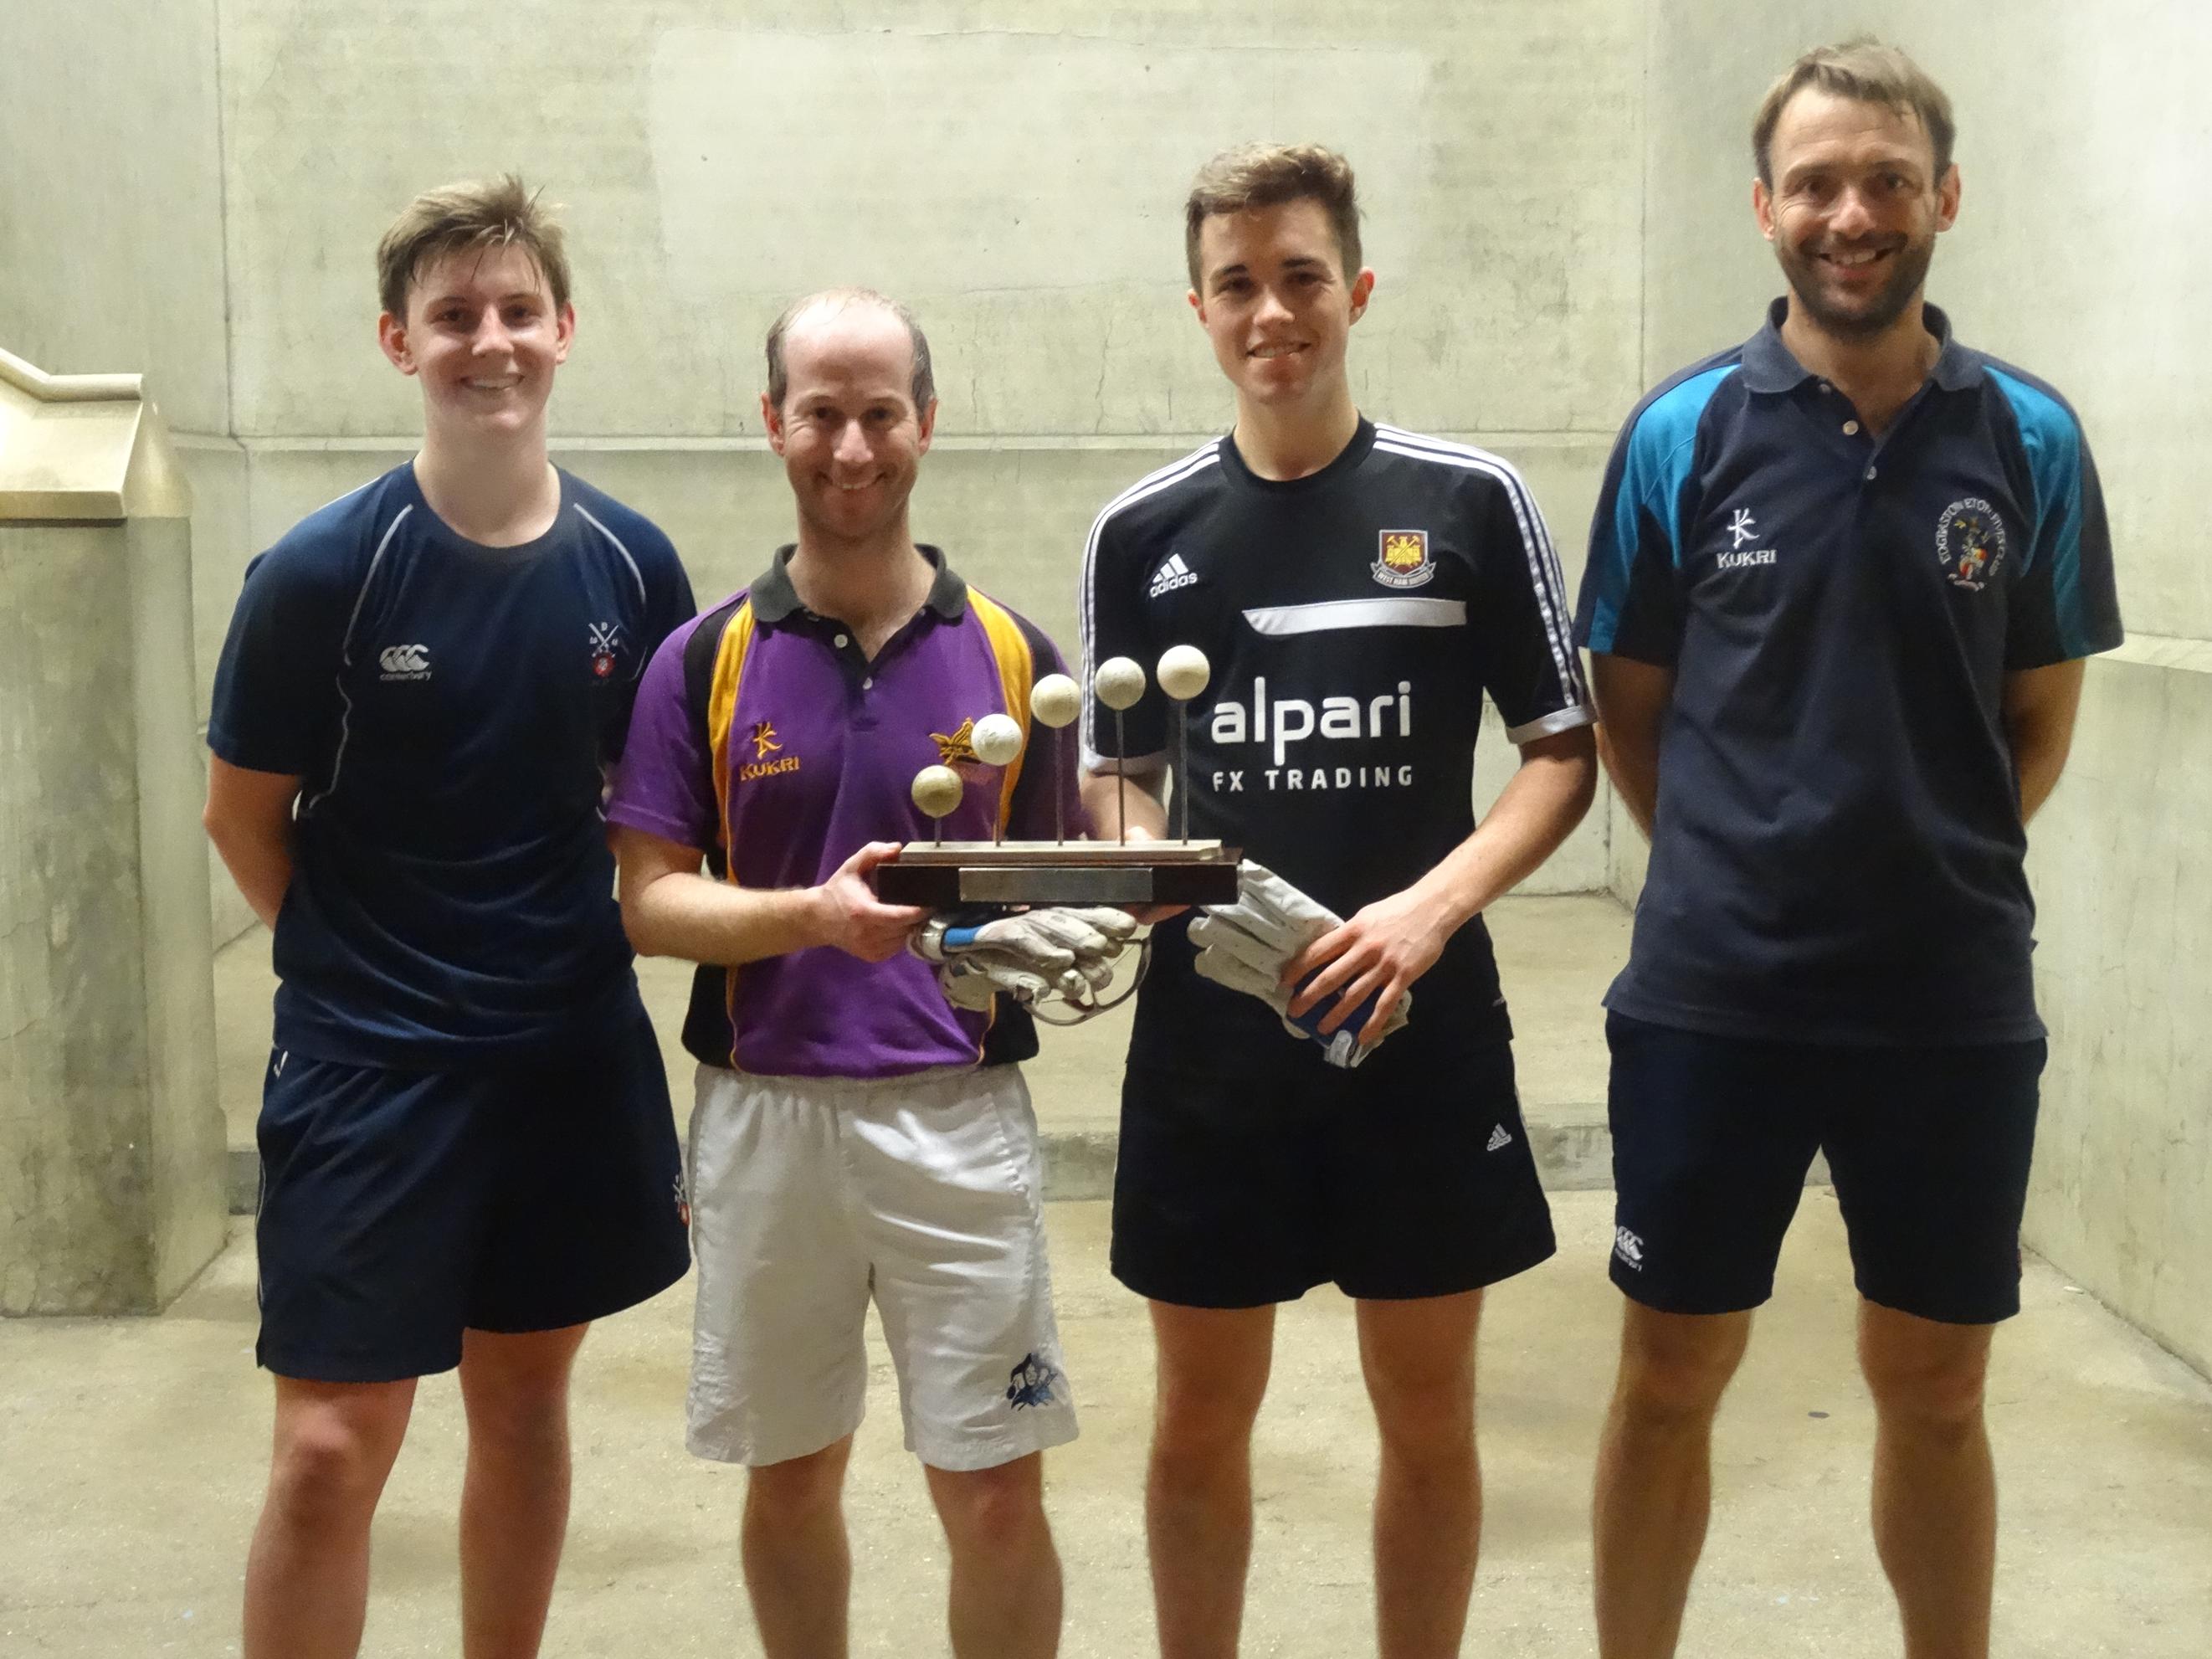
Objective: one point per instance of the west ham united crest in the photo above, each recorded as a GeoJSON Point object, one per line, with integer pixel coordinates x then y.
{"type": "Point", "coordinates": [1970, 543]}
{"type": "Point", "coordinates": [1402, 560]}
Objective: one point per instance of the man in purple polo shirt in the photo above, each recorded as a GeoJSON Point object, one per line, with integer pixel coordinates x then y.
{"type": "Point", "coordinates": [855, 1134]}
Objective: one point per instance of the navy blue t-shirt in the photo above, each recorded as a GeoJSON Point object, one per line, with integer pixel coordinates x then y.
{"type": "Point", "coordinates": [1837, 852]}
{"type": "Point", "coordinates": [448, 707]}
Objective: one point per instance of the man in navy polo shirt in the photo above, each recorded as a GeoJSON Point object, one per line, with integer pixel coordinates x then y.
{"type": "Point", "coordinates": [1841, 584]}
{"type": "Point", "coordinates": [466, 1145]}
{"type": "Point", "coordinates": [856, 1135]}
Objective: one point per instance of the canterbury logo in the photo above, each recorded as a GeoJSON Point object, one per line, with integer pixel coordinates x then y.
{"type": "Point", "coordinates": [1169, 576]}
{"type": "Point", "coordinates": [405, 662]}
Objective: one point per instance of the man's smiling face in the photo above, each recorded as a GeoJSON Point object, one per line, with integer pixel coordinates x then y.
{"type": "Point", "coordinates": [1854, 208]}
{"type": "Point", "coordinates": [1275, 299]}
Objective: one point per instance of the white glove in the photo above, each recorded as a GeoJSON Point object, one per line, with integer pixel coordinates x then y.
{"type": "Point", "coordinates": [1246, 947]}
{"type": "Point", "coordinates": [1062, 949]}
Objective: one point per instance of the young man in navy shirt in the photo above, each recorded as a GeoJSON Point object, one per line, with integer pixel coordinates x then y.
{"type": "Point", "coordinates": [857, 1138]}
{"type": "Point", "coordinates": [1359, 589]}
{"type": "Point", "coordinates": [467, 1148]}
{"type": "Point", "coordinates": [1840, 585]}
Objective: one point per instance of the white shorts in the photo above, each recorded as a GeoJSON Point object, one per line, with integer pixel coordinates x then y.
{"type": "Point", "coordinates": [810, 1194]}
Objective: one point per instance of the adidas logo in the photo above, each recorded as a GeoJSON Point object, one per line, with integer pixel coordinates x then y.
{"type": "Point", "coordinates": [1169, 576]}
{"type": "Point", "coordinates": [1498, 1137]}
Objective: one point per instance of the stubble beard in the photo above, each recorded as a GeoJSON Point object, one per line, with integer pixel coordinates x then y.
{"type": "Point", "coordinates": [1909, 271]}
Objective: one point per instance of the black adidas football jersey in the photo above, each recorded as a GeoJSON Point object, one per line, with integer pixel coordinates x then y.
{"type": "Point", "coordinates": [1354, 619]}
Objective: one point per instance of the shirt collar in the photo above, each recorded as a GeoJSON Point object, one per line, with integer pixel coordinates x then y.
{"type": "Point", "coordinates": [1768, 365]}
{"type": "Point", "coordinates": [774, 599]}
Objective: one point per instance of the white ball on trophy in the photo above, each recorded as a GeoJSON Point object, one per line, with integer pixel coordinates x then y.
{"type": "Point", "coordinates": [1055, 701]}
{"type": "Point", "coordinates": [997, 739]}
{"type": "Point", "coordinates": [1118, 682]}
{"type": "Point", "coordinates": [938, 790]}
{"type": "Point", "coordinates": [1183, 672]}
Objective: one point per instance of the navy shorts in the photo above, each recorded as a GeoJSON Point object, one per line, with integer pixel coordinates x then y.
{"type": "Point", "coordinates": [1396, 1179]}
{"type": "Point", "coordinates": [399, 1208]}
{"type": "Point", "coordinates": [1929, 1147]}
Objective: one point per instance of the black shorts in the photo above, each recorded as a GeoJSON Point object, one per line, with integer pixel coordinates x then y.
{"type": "Point", "coordinates": [398, 1208]}
{"type": "Point", "coordinates": [1712, 1136]}
{"type": "Point", "coordinates": [1396, 1179]}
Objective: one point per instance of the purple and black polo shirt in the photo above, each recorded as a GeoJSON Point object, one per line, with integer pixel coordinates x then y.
{"type": "Point", "coordinates": [762, 737]}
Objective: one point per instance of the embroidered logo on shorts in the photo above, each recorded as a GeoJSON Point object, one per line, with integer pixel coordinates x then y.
{"type": "Point", "coordinates": [1030, 1383]}
{"type": "Point", "coordinates": [1970, 543]}
{"type": "Point", "coordinates": [1628, 1249]}
{"type": "Point", "coordinates": [682, 1201]}
{"type": "Point", "coordinates": [1402, 560]}
{"type": "Point", "coordinates": [1498, 1138]}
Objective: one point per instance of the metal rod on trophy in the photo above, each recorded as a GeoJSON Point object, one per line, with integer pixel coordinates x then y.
{"type": "Point", "coordinates": [997, 741]}
{"type": "Point", "coordinates": [1182, 671]}
{"type": "Point", "coordinates": [1118, 682]}
{"type": "Point", "coordinates": [1055, 702]}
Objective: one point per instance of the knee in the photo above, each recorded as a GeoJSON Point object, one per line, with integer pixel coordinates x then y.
{"type": "Point", "coordinates": [1675, 1386]}
{"type": "Point", "coordinates": [994, 1511]}
{"type": "Point", "coordinates": [1193, 1425]}
{"type": "Point", "coordinates": [518, 1420]}
{"type": "Point", "coordinates": [1425, 1418]}
{"type": "Point", "coordinates": [797, 1491]}
{"type": "Point", "coordinates": [1930, 1392]}
{"type": "Point", "coordinates": [328, 1473]}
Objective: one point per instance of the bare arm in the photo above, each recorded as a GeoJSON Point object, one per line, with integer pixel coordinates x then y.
{"type": "Point", "coordinates": [2039, 705]}
{"type": "Point", "coordinates": [670, 909]}
{"type": "Point", "coordinates": [248, 817]}
{"type": "Point", "coordinates": [1632, 704]}
{"type": "Point", "coordinates": [1393, 941]}
{"type": "Point", "coordinates": [1106, 795]}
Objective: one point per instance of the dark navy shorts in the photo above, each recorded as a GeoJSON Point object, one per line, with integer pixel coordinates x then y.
{"type": "Point", "coordinates": [1928, 1148]}
{"type": "Point", "coordinates": [399, 1208]}
{"type": "Point", "coordinates": [1396, 1179]}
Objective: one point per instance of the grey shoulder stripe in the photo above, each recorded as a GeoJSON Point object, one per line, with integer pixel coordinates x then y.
{"type": "Point", "coordinates": [635, 574]}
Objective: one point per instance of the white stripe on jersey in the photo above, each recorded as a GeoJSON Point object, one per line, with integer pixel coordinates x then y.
{"type": "Point", "coordinates": [1330, 615]}
{"type": "Point", "coordinates": [635, 574]}
{"type": "Point", "coordinates": [1151, 483]}
{"type": "Point", "coordinates": [1550, 587]}
{"type": "Point", "coordinates": [345, 661]}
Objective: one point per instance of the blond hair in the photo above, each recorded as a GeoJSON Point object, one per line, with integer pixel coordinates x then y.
{"type": "Point", "coordinates": [1266, 175]}
{"type": "Point", "coordinates": [1864, 70]}
{"type": "Point", "coordinates": [480, 214]}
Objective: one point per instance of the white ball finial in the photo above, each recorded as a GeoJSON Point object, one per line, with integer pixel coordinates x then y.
{"type": "Point", "coordinates": [1055, 701]}
{"type": "Point", "coordinates": [996, 739]}
{"type": "Point", "coordinates": [1183, 672]}
{"type": "Point", "coordinates": [938, 790]}
{"type": "Point", "coordinates": [1118, 682]}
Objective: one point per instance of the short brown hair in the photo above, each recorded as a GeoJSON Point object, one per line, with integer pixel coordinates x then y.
{"type": "Point", "coordinates": [1266, 175]}
{"type": "Point", "coordinates": [483, 214]}
{"type": "Point", "coordinates": [1864, 69]}
{"type": "Point", "coordinates": [923, 386]}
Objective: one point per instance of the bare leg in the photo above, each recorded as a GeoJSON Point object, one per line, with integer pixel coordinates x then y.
{"type": "Point", "coordinates": [1655, 1473]}
{"type": "Point", "coordinates": [1417, 1357]}
{"type": "Point", "coordinates": [515, 1497]}
{"type": "Point", "coordinates": [1213, 1364]}
{"type": "Point", "coordinates": [1005, 1597]}
{"type": "Point", "coordinates": [1935, 1491]}
{"type": "Point", "coordinates": [798, 1567]}
{"type": "Point", "coordinates": [307, 1576]}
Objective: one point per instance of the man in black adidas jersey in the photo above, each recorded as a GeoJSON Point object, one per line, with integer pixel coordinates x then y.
{"type": "Point", "coordinates": [1358, 589]}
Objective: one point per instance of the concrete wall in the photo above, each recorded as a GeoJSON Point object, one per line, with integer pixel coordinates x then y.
{"type": "Point", "coordinates": [2078, 137]}
{"type": "Point", "coordinates": [1020, 184]}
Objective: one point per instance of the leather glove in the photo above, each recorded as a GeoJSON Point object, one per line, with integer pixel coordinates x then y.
{"type": "Point", "coordinates": [1246, 947]}
{"type": "Point", "coordinates": [1065, 951]}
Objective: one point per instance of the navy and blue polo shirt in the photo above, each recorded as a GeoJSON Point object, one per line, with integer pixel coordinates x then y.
{"type": "Point", "coordinates": [766, 739]}
{"type": "Point", "coordinates": [448, 707]}
{"type": "Point", "coordinates": [1837, 854]}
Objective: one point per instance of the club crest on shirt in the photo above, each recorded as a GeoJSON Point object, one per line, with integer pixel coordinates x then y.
{"type": "Point", "coordinates": [1402, 559]}
{"type": "Point", "coordinates": [1970, 543]}
{"type": "Point", "coordinates": [605, 640]}
{"type": "Point", "coordinates": [765, 743]}
{"type": "Point", "coordinates": [958, 746]}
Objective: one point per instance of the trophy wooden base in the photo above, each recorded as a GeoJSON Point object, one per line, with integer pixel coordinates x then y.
{"type": "Point", "coordinates": [942, 874]}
